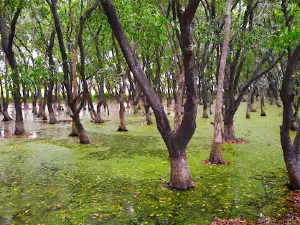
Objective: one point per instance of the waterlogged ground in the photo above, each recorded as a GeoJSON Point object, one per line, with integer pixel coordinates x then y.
{"type": "Point", "coordinates": [49, 178]}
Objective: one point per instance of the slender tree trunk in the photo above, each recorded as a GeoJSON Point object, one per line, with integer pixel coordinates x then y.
{"type": "Point", "coordinates": [216, 152]}
{"type": "Point", "coordinates": [252, 109]}
{"type": "Point", "coordinates": [262, 104]}
{"type": "Point", "coordinates": [5, 99]}
{"type": "Point", "coordinates": [179, 102]}
{"type": "Point", "coordinates": [147, 112]}
{"type": "Point", "coordinates": [25, 97]}
{"type": "Point", "coordinates": [52, 118]}
{"type": "Point", "coordinates": [248, 110]}
{"type": "Point", "coordinates": [204, 97]}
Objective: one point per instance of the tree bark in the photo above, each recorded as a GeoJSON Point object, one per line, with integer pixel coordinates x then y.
{"type": "Point", "coordinates": [52, 118]}
{"type": "Point", "coordinates": [291, 151]}
{"type": "Point", "coordinates": [177, 141]}
{"type": "Point", "coordinates": [262, 104]}
{"type": "Point", "coordinates": [7, 48]}
{"type": "Point", "coordinates": [216, 152]}
{"type": "Point", "coordinates": [5, 99]}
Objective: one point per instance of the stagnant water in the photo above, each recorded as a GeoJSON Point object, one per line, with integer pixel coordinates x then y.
{"type": "Point", "coordinates": [47, 177]}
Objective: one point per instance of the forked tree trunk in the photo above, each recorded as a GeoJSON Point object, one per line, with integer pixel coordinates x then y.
{"type": "Point", "coordinates": [178, 140]}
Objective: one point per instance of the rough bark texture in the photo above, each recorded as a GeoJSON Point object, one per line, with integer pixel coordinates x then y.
{"type": "Point", "coordinates": [216, 152]}
{"type": "Point", "coordinates": [291, 151]}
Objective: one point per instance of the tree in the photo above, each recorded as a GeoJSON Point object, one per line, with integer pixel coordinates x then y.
{"type": "Point", "coordinates": [216, 152]}
{"type": "Point", "coordinates": [7, 44]}
{"type": "Point", "coordinates": [176, 141]}
{"type": "Point", "coordinates": [291, 151]}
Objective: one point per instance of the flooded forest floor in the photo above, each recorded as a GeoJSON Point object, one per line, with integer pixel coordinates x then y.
{"type": "Point", "coordinates": [47, 177]}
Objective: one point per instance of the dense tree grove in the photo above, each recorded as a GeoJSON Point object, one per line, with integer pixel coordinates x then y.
{"type": "Point", "coordinates": [184, 52]}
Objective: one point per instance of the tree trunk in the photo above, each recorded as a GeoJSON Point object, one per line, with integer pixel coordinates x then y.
{"type": "Point", "coordinates": [180, 177]}
{"type": "Point", "coordinates": [10, 56]}
{"type": "Point", "coordinates": [83, 137]}
{"type": "Point", "coordinates": [34, 107]}
{"type": "Point", "coordinates": [229, 134]}
{"type": "Point", "coordinates": [291, 151]}
{"type": "Point", "coordinates": [26, 107]}
{"type": "Point", "coordinates": [204, 97]}
{"type": "Point", "coordinates": [5, 99]}
{"type": "Point", "coordinates": [52, 118]}
{"type": "Point", "coordinates": [216, 152]}
{"type": "Point", "coordinates": [252, 109]}
{"type": "Point", "coordinates": [147, 112]}
{"type": "Point", "coordinates": [262, 104]}
{"type": "Point", "coordinates": [248, 115]}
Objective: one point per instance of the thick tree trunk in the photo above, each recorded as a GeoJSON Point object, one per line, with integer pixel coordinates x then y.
{"type": "Point", "coordinates": [229, 134]}
{"type": "Point", "coordinates": [291, 151]}
{"type": "Point", "coordinates": [180, 177]}
{"type": "Point", "coordinates": [83, 137]}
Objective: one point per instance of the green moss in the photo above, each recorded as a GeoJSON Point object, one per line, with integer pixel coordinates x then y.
{"type": "Point", "coordinates": [120, 177]}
